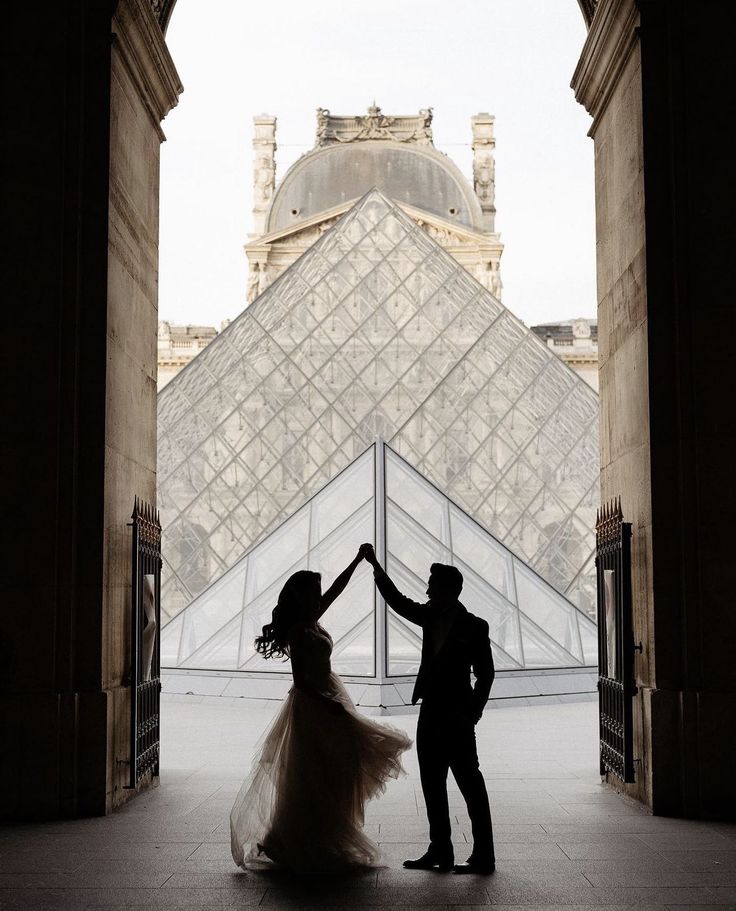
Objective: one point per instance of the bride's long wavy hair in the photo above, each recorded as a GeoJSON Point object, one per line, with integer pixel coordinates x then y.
{"type": "Point", "coordinates": [274, 640]}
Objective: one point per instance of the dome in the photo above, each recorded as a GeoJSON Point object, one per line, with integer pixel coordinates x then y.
{"type": "Point", "coordinates": [419, 176]}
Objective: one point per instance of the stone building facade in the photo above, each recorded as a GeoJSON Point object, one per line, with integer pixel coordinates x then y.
{"type": "Point", "coordinates": [177, 345]}
{"type": "Point", "coordinates": [354, 154]}
{"type": "Point", "coordinates": [576, 342]}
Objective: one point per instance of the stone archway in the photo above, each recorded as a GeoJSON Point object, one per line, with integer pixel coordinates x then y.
{"type": "Point", "coordinates": [657, 151]}
{"type": "Point", "coordinates": [164, 8]}
{"type": "Point", "coordinates": [82, 190]}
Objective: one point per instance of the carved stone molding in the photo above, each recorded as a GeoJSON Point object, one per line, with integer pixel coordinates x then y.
{"type": "Point", "coordinates": [259, 278]}
{"type": "Point", "coordinates": [304, 239]}
{"type": "Point", "coordinates": [443, 236]}
{"type": "Point", "coordinates": [612, 36]}
{"type": "Point", "coordinates": [484, 167]}
{"type": "Point", "coordinates": [587, 8]}
{"type": "Point", "coordinates": [165, 9]}
{"type": "Point", "coordinates": [375, 124]}
{"type": "Point", "coordinates": [140, 43]}
{"type": "Point", "coordinates": [264, 168]}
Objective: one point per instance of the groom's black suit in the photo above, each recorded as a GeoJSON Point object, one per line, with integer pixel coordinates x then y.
{"type": "Point", "coordinates": [454, 641]}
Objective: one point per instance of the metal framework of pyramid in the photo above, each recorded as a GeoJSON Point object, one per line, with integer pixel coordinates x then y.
{"type": "Point", "coordinates": [376, 332]}
{"type": "Point", "coordinates": [380, 498]}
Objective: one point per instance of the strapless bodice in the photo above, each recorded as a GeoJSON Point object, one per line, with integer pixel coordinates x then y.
{"type": "Point", "coordinates": [310, 648]}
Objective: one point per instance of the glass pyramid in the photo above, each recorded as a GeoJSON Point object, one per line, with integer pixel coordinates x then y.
{"type": "Point", "coordinates": [376, 332]}
{"type": "Point", "coordinates": [380, 498]}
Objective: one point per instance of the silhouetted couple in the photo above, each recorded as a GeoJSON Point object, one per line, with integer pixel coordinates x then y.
{"type": "Point", "coordinates": [302, 805]}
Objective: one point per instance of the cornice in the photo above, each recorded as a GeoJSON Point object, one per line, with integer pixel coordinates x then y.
{"type": "Point", "coordinates": [463, 232]}
{"type": "Point", "coordinates": [165, 9]}
{"type": "Point", "coordinates": [142, 49]}
{"type": "Point", "coordinates": [313, 221]}
{"type": "Point", "coordinates": [262, 242]}
{"type": "Point", "coordinates": [587, 8]}
{"type": "Point", "coordinates": [612, 36]}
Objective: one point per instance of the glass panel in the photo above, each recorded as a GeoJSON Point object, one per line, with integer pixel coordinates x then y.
{"type": "Point", "coordinates": [413, 546]}
{"type": "Point", "coordinates": [501, 659]}
{"type": "Point", "coordinates": [376, 330]}
{"type": "Point", "coordinates": [404, 648]}
{"type": "Point", "coordinates": [501, 615]}
{"type": "Point", "coordinates": [404, 639]}
{"type": "Point", "coordinates": [583, 591]}
{"type": "Point", "coordinates": [334, 553]}
{"type": "Point", "coordinates": [215, 608]}
{"type": "Point", "coordinates": [356, 602]}
{"type": "Point", "coordinates": [421, 501]}
{"type": "Point", "coordinates": [589, 637]}
{"type": "Point", "coordinates": [335, 503]}
{"type": "Point", "coordinates": [170, 641]}
{"type": "Point", "coordinates": [196, 572]}
{"type": "Point", "coordinates": [542, 652]}
{"type": "Point", "coordinates": [550, 611]}
{"type": "Point", "coordinates": [353, 655]}
{"type": "Point", "coordinates": [476, 548]}
{"type": "Point", "coordinates": [220, 652]}
{"type": "Point", "coordinates": [277, 554]}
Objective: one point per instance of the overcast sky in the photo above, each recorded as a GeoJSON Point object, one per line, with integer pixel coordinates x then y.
{"type": "Point", "coordinates": [512, 58]}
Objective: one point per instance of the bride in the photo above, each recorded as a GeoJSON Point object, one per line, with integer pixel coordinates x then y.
{"type": "Point", "coordinates": [302, 804]}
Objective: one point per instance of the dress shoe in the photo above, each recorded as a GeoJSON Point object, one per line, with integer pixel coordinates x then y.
{"type": "Point", "coordinates": [440, 863]}
{"type": "Point", "coordinates": [477, 865]}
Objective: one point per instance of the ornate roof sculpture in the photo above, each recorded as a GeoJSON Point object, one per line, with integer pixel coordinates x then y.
{"type": "Point", "coordinates": [374, 125]}
{"type": "Point", "coordinates": [353, 154]}
{"type": "Point", "coordinates": [376, 331]}
{"type": "Point", "coordinates": [531, 625]}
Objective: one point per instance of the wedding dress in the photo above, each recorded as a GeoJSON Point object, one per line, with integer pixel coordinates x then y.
{"type": "Point", "coordinates": [303, 802]}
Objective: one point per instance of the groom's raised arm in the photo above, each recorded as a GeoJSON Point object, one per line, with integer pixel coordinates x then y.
{"type": "Point", "coordinates": [410, 610]}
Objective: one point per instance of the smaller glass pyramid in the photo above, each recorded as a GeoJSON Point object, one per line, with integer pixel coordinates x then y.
{"type": "Point", "coordinates": [379, 497]}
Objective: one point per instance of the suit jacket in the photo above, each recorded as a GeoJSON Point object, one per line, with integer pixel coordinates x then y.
{"type": "Point", "coordinates": [454, 641]}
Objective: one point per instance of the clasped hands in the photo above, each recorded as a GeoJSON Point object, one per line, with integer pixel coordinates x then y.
{"type": "Point", "coordinates": [367, 553]}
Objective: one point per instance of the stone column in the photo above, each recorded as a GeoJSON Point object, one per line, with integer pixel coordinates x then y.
{"type": "Point", "coordinates": [484, 167]}
{"type": "Point", "coordinates": [145, 86]}
{"type": "Point", "coordinates": [654, 75]}
{"type": "Point", "coordinates": [264, 169]}
{"type": "Point", "coordinates": [81, 190]}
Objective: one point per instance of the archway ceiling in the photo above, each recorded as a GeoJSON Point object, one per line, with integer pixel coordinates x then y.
{"type": "Point", "coordinates": [164, 8]}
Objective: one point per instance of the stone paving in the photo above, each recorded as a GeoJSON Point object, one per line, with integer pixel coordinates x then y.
{"type": "Point", "coordinates": [563, 841]}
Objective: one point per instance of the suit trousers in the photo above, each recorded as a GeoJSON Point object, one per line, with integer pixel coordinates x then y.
{"type": "Point", "coordinates": [446, 741]}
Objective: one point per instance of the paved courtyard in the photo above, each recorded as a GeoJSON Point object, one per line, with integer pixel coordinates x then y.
{"type": "Point", "coordinates": [562, 840]}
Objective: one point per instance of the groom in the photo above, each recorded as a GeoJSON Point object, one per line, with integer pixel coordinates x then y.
{"type": "Point", "coordinates": [453, 642]}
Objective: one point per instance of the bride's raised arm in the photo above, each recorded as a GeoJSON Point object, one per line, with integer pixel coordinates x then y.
{"type": "Point", "coordinates": [340, 583]}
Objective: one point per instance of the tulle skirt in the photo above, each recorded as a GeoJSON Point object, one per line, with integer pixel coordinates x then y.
{"type": "Point", "coordinates": [302, 805]}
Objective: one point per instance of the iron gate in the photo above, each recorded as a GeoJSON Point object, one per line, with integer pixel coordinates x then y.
{"type": "Point", "coordinates": [616, 648]}
{"type": "Point", "coordinates": [145, 628]}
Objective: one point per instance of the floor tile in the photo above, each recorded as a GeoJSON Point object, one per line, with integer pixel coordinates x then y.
{"type": "Point", "coordinates": [562, 839]}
